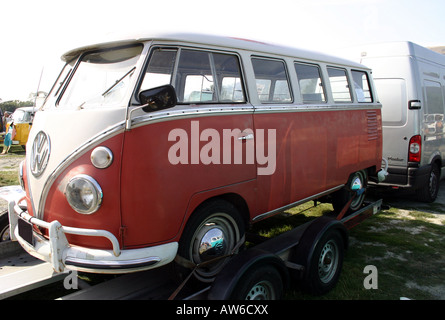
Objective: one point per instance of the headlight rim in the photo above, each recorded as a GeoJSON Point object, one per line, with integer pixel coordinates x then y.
{"type": "Point", "coordinates": [97, 193]}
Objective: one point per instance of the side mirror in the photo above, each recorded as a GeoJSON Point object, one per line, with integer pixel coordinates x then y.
{"type": "Point", "coordinates": [158, 98]}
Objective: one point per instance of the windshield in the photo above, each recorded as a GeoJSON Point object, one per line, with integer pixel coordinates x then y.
{"type": "Point", "coordinates": [21, 116]}
{"type": "Point", "coordinates": [102, 78]}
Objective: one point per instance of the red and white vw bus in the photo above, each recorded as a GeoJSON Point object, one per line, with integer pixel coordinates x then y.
{"type": "Point", "coordinates": [154, 147]}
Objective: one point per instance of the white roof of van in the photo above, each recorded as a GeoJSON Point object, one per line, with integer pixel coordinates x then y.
{"type": "Point", "coordinates": [394, 49]}
{"type": "Point", "coordinates": [218, 41]}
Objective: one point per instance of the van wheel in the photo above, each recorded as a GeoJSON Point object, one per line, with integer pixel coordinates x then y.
{"type": "Point", "coordinates": [340, 198]}
{"type": "Point", "coordinates": [212, 232]}
{"type": "Point", "coordinates": [4, 226]}
{"type": "Point", "coordinates": [428, 193]}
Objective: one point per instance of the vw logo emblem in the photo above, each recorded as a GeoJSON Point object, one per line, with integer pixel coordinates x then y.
{"type": "Point", "coordinates": [40, 152]}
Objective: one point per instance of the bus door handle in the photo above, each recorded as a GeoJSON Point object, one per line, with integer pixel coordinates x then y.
{"type": "Point", "coordinates": [244, 136]}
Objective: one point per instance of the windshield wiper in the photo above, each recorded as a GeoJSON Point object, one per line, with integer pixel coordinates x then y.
{"type": "Point", "coordinates": [118, 81]}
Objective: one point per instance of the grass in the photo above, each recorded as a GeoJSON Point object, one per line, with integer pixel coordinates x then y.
{"type": "Point", "coordinates": [8, 179]}
{"type": "Point", "coordinates": [9, 172]}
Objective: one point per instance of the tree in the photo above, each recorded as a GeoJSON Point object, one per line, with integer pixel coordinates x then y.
{"type": "Point", "coordinates": [11, 105]}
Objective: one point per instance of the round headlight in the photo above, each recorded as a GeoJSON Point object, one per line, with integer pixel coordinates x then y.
{"type": "Point", "coordinates": [84, 194]}
{"type": "Point", "coordinates": [101, 157]}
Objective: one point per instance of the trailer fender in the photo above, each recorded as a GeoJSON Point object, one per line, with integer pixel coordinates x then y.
{"type": "Point", "coordinates": [316, 238]}
{"type": "Point", "coordinates": [241, 265]}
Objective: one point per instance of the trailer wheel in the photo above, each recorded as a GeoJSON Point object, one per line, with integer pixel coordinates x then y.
{"type": "Point", "coordinates": [4, 226]}
{"type": "Point", "coordinates": [358, 180]}
{"type": "Point", "coordinates": [261, 283]}
{"type": "Point", "coordinates": [212, 232]}
{"type": "Point", "coordinates": [428, 192]}
{"type": "Point", "coordinates": [326, 264]}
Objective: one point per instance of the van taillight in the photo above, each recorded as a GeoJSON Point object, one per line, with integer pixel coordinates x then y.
{"type": "Point", "coordinates": [415, 146]}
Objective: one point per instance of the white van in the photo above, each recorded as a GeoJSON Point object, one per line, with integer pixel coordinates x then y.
{"type": "Point", "coordinates": [410, 82]}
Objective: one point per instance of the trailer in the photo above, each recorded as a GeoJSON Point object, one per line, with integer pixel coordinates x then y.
{"type": "Point", "coordinates": [309, 256]}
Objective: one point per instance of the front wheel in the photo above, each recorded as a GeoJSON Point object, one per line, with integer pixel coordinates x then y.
{"type": "Point", "coordinates": [212, 233]}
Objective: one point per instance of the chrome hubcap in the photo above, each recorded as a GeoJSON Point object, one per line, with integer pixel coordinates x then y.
{"type": "Point", "coordinates": [212, 243]}
{"type": "Point", "coordinates": [357, 184]}
{"type": "Point", "coordinates": [215, 238]}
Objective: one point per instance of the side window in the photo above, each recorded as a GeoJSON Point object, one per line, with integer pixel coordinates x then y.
{"type": "Point", "coordinates": [228, 73]}
{"type": "Point", "coordinates": [207, 77]}
{"type": "Point", "coordinates": [194, 81]}
{"type": "Point", "coordinates": [361, 86]}
{"type": "Point", "coordinates": [433, 121]}
{"type": "Point", "coordinates": [311, 86]}
{"type": "Point", "coordinates": [160, 68]}
{"type": "Point", "coordinates": [271, 81]}
{"type": "Point", "coordinates": [194, 78]}
{"type": "Point", "coordinates": [434, 98]}
{"type": "Point", "coordinates": [339, 85]}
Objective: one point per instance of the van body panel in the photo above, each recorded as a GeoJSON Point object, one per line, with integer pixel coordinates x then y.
{"type": "Point", "coordinates": [314, 158]}
{"type": "Point", "coordinates": [160, 191]}
{"type": "Point", "coordinates": [108, 216]}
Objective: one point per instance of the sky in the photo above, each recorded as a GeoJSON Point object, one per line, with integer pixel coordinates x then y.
{"type": "Point", "coordinates": [35, 33]}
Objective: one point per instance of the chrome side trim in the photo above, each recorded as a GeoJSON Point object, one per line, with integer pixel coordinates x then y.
{"type": "Point", "coordinates": [296, 203]}
{"type": "Point", "coordinates": [182, 113]}
{"type": "Point", "coordinates": [315, 107]}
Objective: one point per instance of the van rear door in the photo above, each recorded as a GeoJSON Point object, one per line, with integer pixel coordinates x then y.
{"type": "Point", "coordinates": [393, 96]}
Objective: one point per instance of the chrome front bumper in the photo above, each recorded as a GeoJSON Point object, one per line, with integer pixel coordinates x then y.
{"type": "Point", "coordinates": [63, 255]}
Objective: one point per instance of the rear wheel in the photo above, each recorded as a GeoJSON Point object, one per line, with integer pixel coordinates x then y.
{"type": "Point", "coordinates": [357, 181]}
{"type": "Point", "coordinates": [428, 193]}
{"type": "Point", "coordinates": [211, 234]}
